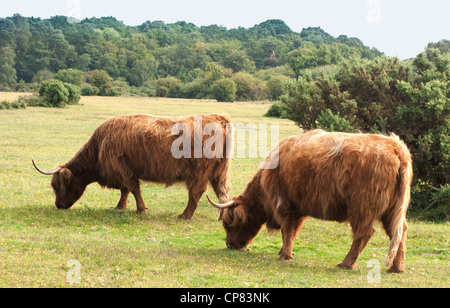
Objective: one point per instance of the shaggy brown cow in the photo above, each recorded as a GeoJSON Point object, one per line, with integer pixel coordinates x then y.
{"type": "Point", "coordinates": [126, 149]}
{"type": "Point", "coordinates": [358, 178]}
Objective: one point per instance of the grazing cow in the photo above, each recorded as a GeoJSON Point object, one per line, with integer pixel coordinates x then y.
{"type": "Point", "coordinates": [358, 178]}
{"type": "Point", "coordinates": [126, 149]}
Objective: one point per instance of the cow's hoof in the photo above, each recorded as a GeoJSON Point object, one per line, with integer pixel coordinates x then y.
{"type": "Point", "coordinates": [344, 266]}
{"type": "Point", "coordinates": [284, 257]}
{"type": "Point", "coordinates": [395, 270]}
{"type": "Point", "coordinates": [141, 212]}
{"type": "Point", "coordinates": [184, 217]}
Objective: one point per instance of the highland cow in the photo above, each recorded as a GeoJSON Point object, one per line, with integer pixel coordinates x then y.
{"type": "Point", "coordinates": [354, 178]}
{"type": "Point", "coordinates": [126, 149]}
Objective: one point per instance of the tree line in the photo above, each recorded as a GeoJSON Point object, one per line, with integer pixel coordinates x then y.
{"type": "Point", "coordinates": [155, 58]}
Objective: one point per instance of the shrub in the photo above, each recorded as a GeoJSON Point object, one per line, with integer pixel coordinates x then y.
{"type": "Point", "coordinates": [55, 93]}
{"type": "Point", "coordinates": [170, 87]}
{"type": "Point", "coordinates": [162, 91]}
{"type": "Point", "coordinates": [224, 90]}
{"type": "Point", "coordinates": [72, 76]}
{"type": "Point", "coordinates": [243, 81]}
{"type": "Point", "coordinates": [334, 122]}
{"type": "Point", "coordinates": [74, 94]}
{"type": "Point", "coordinates": [276, 111]}
{"type": "Point", "coordinates": [12, 105]}
{"type": "Point", "coordinates": [112, 91]}
{"type": "Point", "coordinates": [275, 87]}
{"type": "Point", "coordinates": [90, 90]}
{"type": "Point", "coordinates": [98, 78]}
{"type": "Point", "coordinates": [385, 95]}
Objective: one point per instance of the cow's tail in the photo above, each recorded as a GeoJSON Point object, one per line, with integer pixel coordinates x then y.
{"type": "Point", "coordinates": [398, 218]}
{"type": "Point", "coordinates": [223, 168]}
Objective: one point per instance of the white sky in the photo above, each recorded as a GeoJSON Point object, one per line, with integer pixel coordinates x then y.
{"type": "Point", "coordinates": [400, 28]}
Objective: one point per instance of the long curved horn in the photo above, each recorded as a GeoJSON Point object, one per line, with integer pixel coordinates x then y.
{"type": "Point", "coordinates": [220, 205]}
{"type": "Point", "coordinates": [46, 172]}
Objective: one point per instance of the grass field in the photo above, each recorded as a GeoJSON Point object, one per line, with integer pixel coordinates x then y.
{"type": "Point", "coordinates": [41, 246]}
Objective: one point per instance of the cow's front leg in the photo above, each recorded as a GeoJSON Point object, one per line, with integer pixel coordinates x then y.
{"type": "Point", "coordinates": [289, 230]}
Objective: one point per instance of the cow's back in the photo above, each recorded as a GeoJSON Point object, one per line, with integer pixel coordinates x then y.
{"type": "Point", "coordinates": [141, 146]}
{"type": "Point", "coordinates": [321, 174]}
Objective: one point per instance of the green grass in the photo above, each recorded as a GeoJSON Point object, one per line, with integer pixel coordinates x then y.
{"type": "Point", "coordinates": [121, 249]}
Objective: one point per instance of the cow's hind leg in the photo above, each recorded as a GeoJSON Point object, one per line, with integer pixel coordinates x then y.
{"type": "Point", "coordinates": [399, 262]}
{"type": "Point", "coordinates": [124, 192]}
{"type": "Point", "coordinates": [136, 191]}
{"type": "Point", "coordinates": [361, 236]}
{"type": "Point", "coordinates": [196, 190]}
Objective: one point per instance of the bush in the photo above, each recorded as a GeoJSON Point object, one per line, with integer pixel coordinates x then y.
{"type": "Point", "coordinates": [275, 87]}
{"type": "Point", "coordinates": [385, 95]}
{"type": "Point", "coordinates": [162, 91]}
{"type": "Point", "coordinates": [244, 82]}
{"type": "Point", "coordinates": [170, 87]}
{"type": "Point", "coordinates": [74, 94]}
{"type": "Point", "coordinates": [55, 93]}
{"type": "Point", "coordinates": [72, 76]}
{"type": "Point", "coordinates": [98, 78]}
{"type": "Point", "coordinates": [334, 122]}
{"type": "Point", "coordinates": [276, 111]}
{"type": "Point", "coordinates": [224, 90]}
{"type": "Point", "coordinates": [90, 90]}
{"type": "Point", "coordinates": [112, 91]}
{"type": "Point", "coordinates": [12, 105]}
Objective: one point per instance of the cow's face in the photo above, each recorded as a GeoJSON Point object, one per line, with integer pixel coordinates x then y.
{"type": "Point", "coordinates": [235, 223]}
{"type": "Point", "coordinates": [67, 188]}
{"type": "Point", "coordinates": [240, 224]}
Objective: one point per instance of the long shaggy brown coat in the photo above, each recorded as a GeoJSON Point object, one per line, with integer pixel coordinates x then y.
{"type": "Point", "coordinates": [126, 149]}
{"type": "Point", "coordinates": [358, 178]}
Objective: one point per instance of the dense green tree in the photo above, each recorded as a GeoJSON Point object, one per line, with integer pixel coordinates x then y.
{"type": "Point", "coordinates": [7, 69]}
{"type": "Point", "coordinates": [303, 58]}
{"type": "Point", "coordinates": [238, 61]}
{"type": "Point", "coordinates": [143, 70]}
{"type": "Point", "coordinates": [224, 90]}
{"type": "Point", "coordinates": [7, 29]}
{"type": "Point", "coordinates": [72, 76]}
{"type": "Point", "coordinates": [99, 79]}
{"type": "Point", "coordinates": [22, 35]}
{"type": "Point", "coordinates": [179, 48]}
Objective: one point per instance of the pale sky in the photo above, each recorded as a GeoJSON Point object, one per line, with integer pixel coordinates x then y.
{"type": "Point", "coordinates": [400, 28]}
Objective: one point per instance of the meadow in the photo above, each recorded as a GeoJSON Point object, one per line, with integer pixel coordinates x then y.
{"type": "Point", "coordinates": [41, 246]}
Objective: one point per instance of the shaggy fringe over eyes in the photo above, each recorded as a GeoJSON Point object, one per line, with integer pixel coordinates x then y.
{"type": "Point", "coordinates": [62, 180]}
{"type": "Point", "coordinates": [234, 216]}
